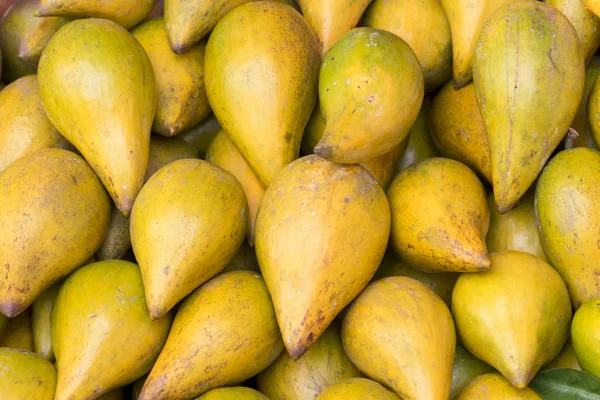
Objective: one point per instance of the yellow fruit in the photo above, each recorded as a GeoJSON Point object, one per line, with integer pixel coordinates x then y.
{"type": "Point", "coordinates": [585, 334]}
{"type": "Point", "coordinates": [233, 393]}
{"type": "Point", "coordinates": [105, 111]}
{"type": "Point", "coordinates": [528, 75]}
{"type": "Point", "coordinates": [331, 19]}
{"type": "Point", "coordinates": [23, 37]}
{"type": "Point", "coordinates": [466, 368]}
{"type": "Point", "coordinates": [400, 333]}
{"type": "Point", "coordinates": [187, 223]}
{"type": "Point", "coordinates": [357, 389]}
{"type": "Point", "coordinates": [243, 260]}
{"type": "Point", "coordinates": [126, 13]}
{"type": "Point", "coordinates": [593, 6]}
{"type": "Point", "coordinates": [117, 239]}
{"type": "Point", "coordinates": [18, 334]}
{"type": "Point", "coordinates": [324, 364]}
{"type": "Point", "coordinates": [424, 26]}
{"type": "Point", "coordinates": [565, 359]}
{"type": "Point", "coordinates": [515, 316]}
{"type": "Point", "coordinates": [440, 217]}
{"type": "Point", "coordinates": [593, 106]}
{"type": "Point", "coordinates": [370, 90]}
{"type": "Point", "coordinates": [224, 333]}
{"type": "Point", "coordinates": [41, 321]}
{"type": "Point", "coordinates": [261, 73]}
{"type": "Point", "coordinates": [24, 127]}
{"type": "Point", "coordinates": [223, 153]}
{"type": "Point", "coordinates": [102, 334]}
{"type": "Point", "coordinates": [581, 123]}
{"type": "Point", "coordinates": [321, 232]}
{"type": "Point", "coordinates": [166, 150]}
{"type": "Point", "coordinates": [202, 135]}
{"type": "Point", "coordinates": [182, 101]}
{"type": "Point", "coordinates": [25, 376]}
{"type": "Point", "coordinates": [47, 234]}
{"type": "Point", "coordinates": [458, 130]}
{"type": "Point", "coordinates": [493, 386]}
{"type": "Point", "coordinates": [568, 215]}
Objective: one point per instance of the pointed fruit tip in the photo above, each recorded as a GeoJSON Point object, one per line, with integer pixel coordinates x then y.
{"type": "Point", "coordinates": [323, 151]}
{"type": "Point", "coordinates": [11, 309]}
{"type": "Point", "coordinates": [296, 352]}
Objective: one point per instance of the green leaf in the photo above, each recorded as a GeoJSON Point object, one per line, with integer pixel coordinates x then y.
{"type": "Point", "coordinates": [566, 384]}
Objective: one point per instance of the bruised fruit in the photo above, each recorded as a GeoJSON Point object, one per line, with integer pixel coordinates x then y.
{"type": "Point", "coordinates": [233, 393]}
{"type": "Point", "coordinates": [466, 368]}
{"type": "Point", "coordinates": [585, 333]}
{"type": "Point", "coordinates": [357, 389]}
{"type": "Point", "coordinates": [321, 232]}
{"type": "Point", "coordinates": [41, 321]}
{"type": "Point", "coordinates": [18, 333]}
{"type": "Point", "coordinates": [25, 376]}
{"type": "Point", "coordinates": [494, 386]}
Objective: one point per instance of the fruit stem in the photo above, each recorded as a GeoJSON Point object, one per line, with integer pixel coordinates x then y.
{"type": "Point", "coordinates": [572, 136]}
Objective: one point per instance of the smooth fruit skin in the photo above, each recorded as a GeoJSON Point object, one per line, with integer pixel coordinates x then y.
{"type": "Point", "coordinates": [102, 334]}
{"type": "Point", "coordinates": [224, 333]}
{"type": "Point", "coordinates": [515, 316]}
{"type": "Point", "coordinates": [164, 151]}
{"type": "Point", "coordinates": [439, 217]}
{"type": "Point", "coordinates": [357, 389]}
{"type": "Point", "coordinates": [47, 234]}
{"type": "Point", "coordinates": [581, 123]}
{"type": "Point", "coordinates": [593, 6]}
{"type": "Point", "coordinates": [565, 359]}
{"type": "Point", "coordinates": [261, 74]}
{"type": "Point", "coordinates": [187, 223]}
{"type": "Point", "coordinates": [370, 91]}
{"type": "Point", "coordinates": [529, 75]}
{"type": "Point", "coordinates": [494, 386]}
{"type": "Point", "coordinates": [568, 216]}
{"type": "Point", "coordinates": [233, 393]}
{"type": "Point", "coordinates": [585, 334]}
{"type": "Point", "coordinates": [593, 107]}
{"type": "Point", "coordinates": [400, 333]}
{"type": "Point", "coordinates": [25, 376]}
{"type": "Point", "coordinates": [18, 334]}
{"type": "Point", "coordinates": [41, 321]}
{"type": "Point", "coordinates": [466, 368]}
{"type": "Point", "coordinates": [321, 232]}
{"type": "Point", "coordinates": [117, 239]}
{"type": "Point", "coordinates": [105, 111]}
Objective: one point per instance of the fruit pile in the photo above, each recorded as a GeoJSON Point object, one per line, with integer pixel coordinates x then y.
{"type": "Point", "coordinates": [334, 199]}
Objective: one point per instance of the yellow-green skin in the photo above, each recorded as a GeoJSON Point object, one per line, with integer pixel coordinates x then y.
{"type": "Point", "coordinates": [582, 123]}
{"type": "Point", "coordinates": [568, 215]}
{"type": "Point", "coordinates": [494, 386]}
{"type": "Point", "coordinates": [117, 239]}
{"type": "Point", "coordinates": [202, 134]}
{"type": "Point", "coordinates": [105, 111]}
{"type": "Point", "coordinates": [424, 26]}
{"type": "Point", "coordinates": [47, 234]}
{"type": "Point", "coordinates": [224, 333]}
{"type": "Point", "coordinates": [166, 150]}
{"type": "Point", "coordinates": [593, 6]}
{"type": "Point", "coordinates": [182, 101]}
{"type": "Point", "coordinates": [321, 232]}
{"type": "Point", "coordinates": [357, 389]}
{"type": "Point", "coordinates": [585, 334]}
{"type": "Point", "coordinates": [439, 217]}
{"type": "Point", "coordinates": [516, 230]}
{"type": "Point", "coordinates": [400, 333]}
{"type": "Point", "coordinates": [515, 316]}
{"type": "Point", "coordinates": [466, 368]}
{"type": "Point", "coordinates": [233, 393]}
{"type": "Point", "coordinates": [593, 108]}
{"type": "Point", "coordinates": [262, 60]}
{"type": "Point", "coordinates": [187, 223]}
{"type": "Point", "coordinates": [24, 126]}
{"type": "Point", "coordinates": [41, 321]}
{"type": "Point", "coordinates": [126, 13]}
{"type": "Point", "coordinates": [18, 333]}
{"type": "Point", "coordinates": [370, 91]}
{"type": "Point", "coordinates": [324, 364]}
{"type": "Point", "coordinates": [25, 376]}
{"type": "Point", "coordinates": [565, 359]}
{"type": "Point", "coordinates": [528, 75]}
{"type": "Point", "coordinates": [23, 37]}
{"type": "Point", "coordinates": [102, 334]}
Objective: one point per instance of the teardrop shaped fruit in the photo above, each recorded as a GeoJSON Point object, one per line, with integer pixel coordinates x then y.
{"type": "Point", "coordinates": [202, 135]}
{"type": "Point", "coordinates": [164, 151]}
{"type": "Point", "coordinates": [109, 120]}
{"type": "Point", "coordinates": [400, 333]}
{"type": "Point", "coordinates": [127, 13]}
{"type": "Point", "coordinates": [324, 364]}
{"type": "Point", "coordinates": [585, 333]}
{"type": "Point", "coordinates": [581, 123]}
{"type": "Point", "coordinates": [568, 215]}
{"type": "Point", "coordinates": [467, 18]}
{"type": "Point", "coordinates": [187, 223]}
{"type": "Point", "coordinates": [424, 26]}
{"type": "Point", "coordinates": [331, 19]}
{"type": "Point", "coordinates": [24, 126]}
{"type": "Point", "coordinates": [516, 230]}
{"type": "Point", "coordinates": [442, 284]}
{"type": "Point", "coordinates": [18, 333]}
{"type": "Point", "coordinates": [494, 386]}
{"type": "Point", "coordinates": [25, 375]}
{"type": "Point", "coordinates": [244, 260]}
{"type": "Point", "coordinates": [182, 101]}
{"type": "Point", "coordinates": [314, 257]}
{"type": "Point", "coordinates": [41, 321]}
{"type": "Point", "coordinates": [47, 234]}
{"type": "Point", "coordinates": [204, 352]}
{"type": "Point", "coordinates": [357, 389]}
{"type": "Point", "coordinates": [371, 90]}
{"type": "Point", "coordinates": [466, 368]}
{"type": "Point", "coordinates": [223, 153]}
{"type": "Point", "coordinates": [528, 74]}
{"type": "Point", "coordinates": [565, 359]}
{"type": "Point", "coordinates": [23, 37]}
{"type": "Point", "coordinates": [117, 239]}
{"type": "Point", "coordinates": [233, 393]}
{"type": "Point", "coordinates": [102, 334]}
{"type": "Point", "coordinates": [458, 129]}
{"type": "Point", "coordinates": [440, 217]}
{"type": "Point", "coordinates": [515, 316]}
{"type": "Point", "coordinates": [262, 60]}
